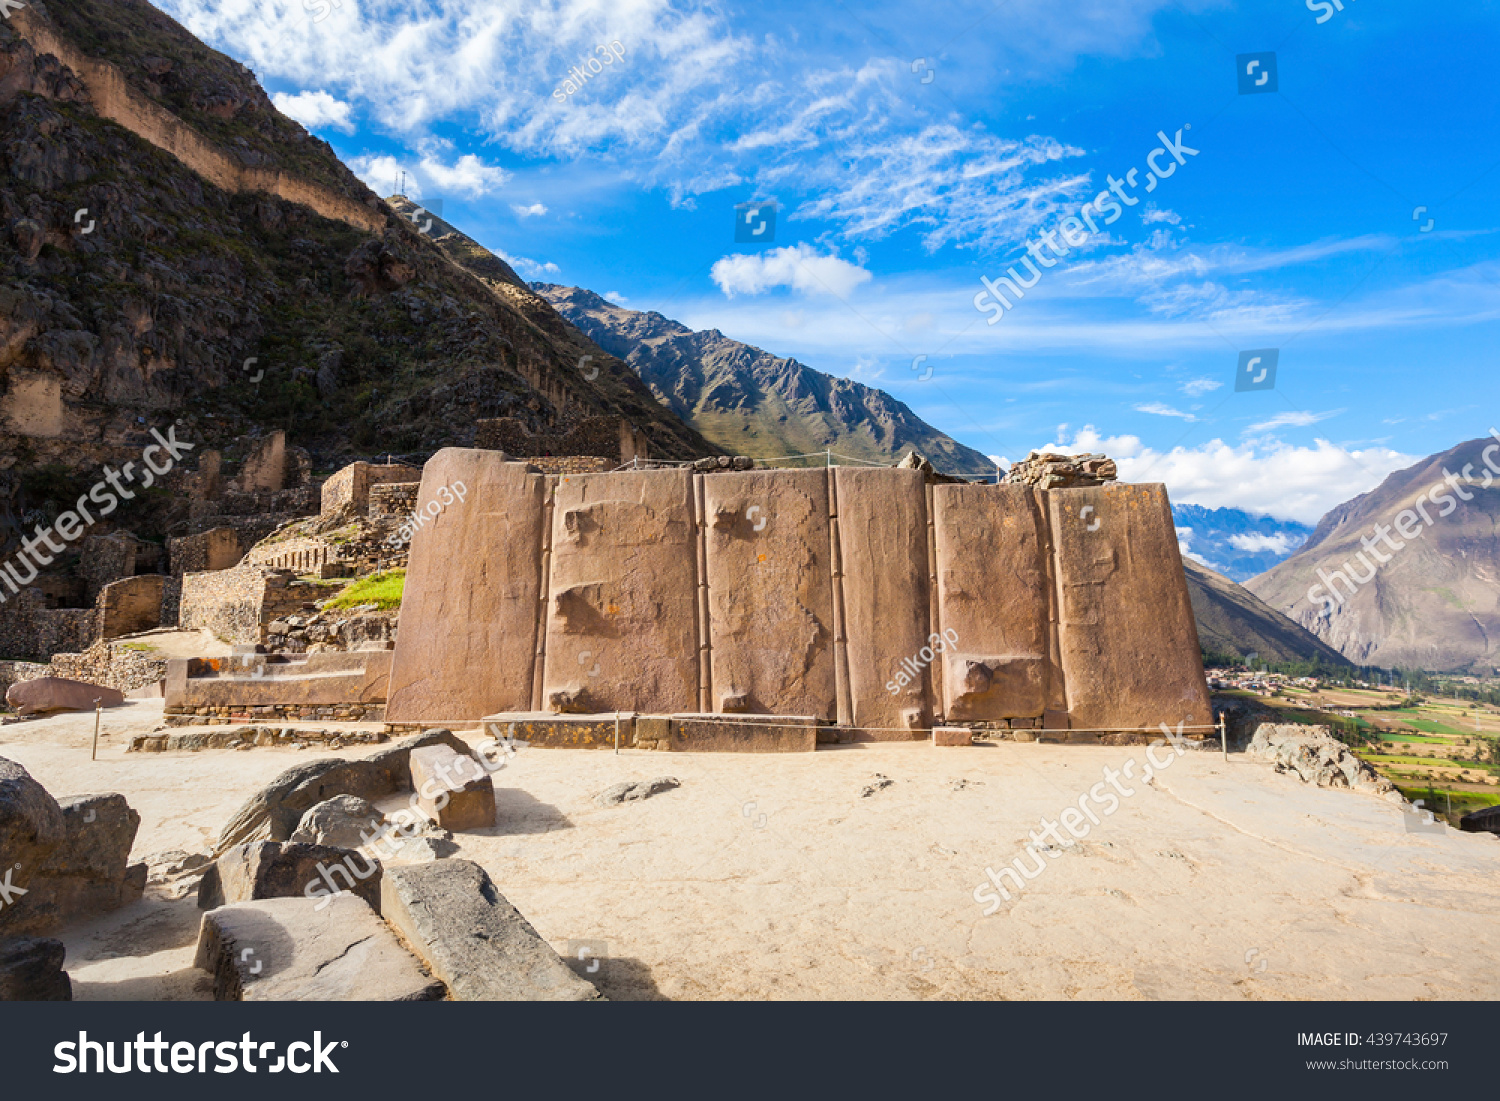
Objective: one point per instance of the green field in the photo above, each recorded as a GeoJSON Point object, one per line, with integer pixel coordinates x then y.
{"type": "Point", "coordinates": [1435, 762]}
{"type": "Point", "coordinates": [1422, 739]}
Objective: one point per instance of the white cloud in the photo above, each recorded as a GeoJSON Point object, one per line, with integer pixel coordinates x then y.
{"type": "Point", "coordinates": [1260, 476]}
{"type": "Point", "coordinates": [1160, 410]}
{"type": "Point", "coordinates": [1195, 388]}
{"type": "Point", "coordinates": [533, 211]}
{"type": "Point", "coordinates": [611, 296]}
{"type": "Point", "coordinates": [1150, 215]}
{"type": "Point", "coordinates": [1291, 420]}
{"type": "Point", "coordinates": [315, 109]}
{"type": "Point", "coordinates": [526, 267]}
{"type": "Point", "coordinates": [797, 267]}
{"type": "Point", "coordinates": [428, 177]}
{"type": "Point", "coordinates": [686, 106]}
{"type": "Point", "coordinates": [1280, 543]}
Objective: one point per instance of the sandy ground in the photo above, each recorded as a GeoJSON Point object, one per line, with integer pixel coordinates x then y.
{"type": "Point", "coordinates": [850, 873]}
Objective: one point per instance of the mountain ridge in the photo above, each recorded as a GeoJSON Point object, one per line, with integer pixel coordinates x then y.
{"type": "Point", "coordinates": [1434, 602]}
{"type": "Point", "coordinates": [754, 403]}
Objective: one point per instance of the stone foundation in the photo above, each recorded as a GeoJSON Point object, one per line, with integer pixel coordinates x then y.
{"type": "Point", "coordinates": [223, 716]}
{"type": "Point", "coordinates": [244, 737]}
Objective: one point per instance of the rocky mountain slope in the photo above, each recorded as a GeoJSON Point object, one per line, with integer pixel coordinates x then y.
{"type": "Point", "coordinates": [1427, 597]}
{"type": "Point", "coordinates": [1236, 543]}
{"type": "Point", "coordinates": [750, 402]}
{"type": "Point", "coordinates": [1234, 621]}
{"type": "Point", "coordinates": [175, 251]}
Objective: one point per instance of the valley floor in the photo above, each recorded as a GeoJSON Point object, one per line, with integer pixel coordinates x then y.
{"type": "Point", "coordinates": [850, 873]}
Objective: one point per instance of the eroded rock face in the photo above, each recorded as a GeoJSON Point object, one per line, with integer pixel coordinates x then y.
{"type": "Point", "coordinates": [343, 821]}
{"type": "Point", "coordinates": [31, 970]}
{"type": "Point", "coordinates": [37, 697]}
{"type": "Point", "coordinates": [1315, 756]}
{"type": "Point", "coordinates": [62, 862]}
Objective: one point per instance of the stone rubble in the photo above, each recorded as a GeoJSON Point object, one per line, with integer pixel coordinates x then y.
{"type": "Point", "coordinates": [1050, 470]}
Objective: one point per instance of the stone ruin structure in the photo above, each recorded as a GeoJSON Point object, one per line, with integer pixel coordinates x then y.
{"type": "Point", "coordinates": [859, 599]}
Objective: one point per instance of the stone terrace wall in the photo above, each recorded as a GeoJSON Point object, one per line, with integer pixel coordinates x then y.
{"type": "Point", "coordinates": [131, 605]}
{"type": "Point", "coordinates": [112, 664]}
{"type": "Point", "coordinates": [606, 437]}
{"type": "Point", "coordinates": [398, 499]}
{"type": "Point", "coordinates": [216, 549]}
{"type": "Point", "coordinates": [225, 602]}
{"type": "Point", "coordinates": [115, 100]}
{"type": "Point", "coordinates": [351, 486]}
{"type": "Point", "coordinates": [30, 631]}
{"type": "Point", "coordinates": [106, 558]}
{"type": "Point", "coordinates": [238, 604]}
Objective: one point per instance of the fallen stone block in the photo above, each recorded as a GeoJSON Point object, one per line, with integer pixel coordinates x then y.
{"type": "Point", "coordinates": [630, 791]}
{"type": "Point", "coordinates": [31, 826]}
{"type": "Point", "coordinates": [273, 813]}
{"type": "Point", "coordinates": [274, 869]}
{"type": "Point", "coordinates": [31, 970]}
{"type": "Point", "coordinates": [301, 950]}
{"type": "Point", "coordinates": [90, 872]}
{"type": "Point", "coordinates": [743, 734]}
{"type": "Point", "coordinates": [451, 915]}
{"type": "Point", "coordinates": [395, 759]}
{"type": "Point", "coordinates": [45, 694]}
{"type": "Point", "coordinates": [345, 821]}
{"type": "Point", "coordinates": [952, 735]}
{"type": "Point", "coordinates": [453, 790]}
{"type": "Point", "coordinates": [62, 862]}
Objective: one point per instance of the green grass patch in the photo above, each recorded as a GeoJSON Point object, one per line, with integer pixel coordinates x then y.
{"type": "Point", "coordinates": [380, 589]}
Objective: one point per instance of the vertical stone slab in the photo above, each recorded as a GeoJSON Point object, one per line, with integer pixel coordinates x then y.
{"type": "Point", "coordinates": [993, 602]}
{"type": "Point", "coordinates": [622, 631]}
{"type": "Point", "coordinates": [1129, 642]}
{"type": "Point", "coordinates": [883, 529]}
{"type": "Point", "coordinates": [466, 639]}
{"type": "Point", "coordinates": [770, 592]}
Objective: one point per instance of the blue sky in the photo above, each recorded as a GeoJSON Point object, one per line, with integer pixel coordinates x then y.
{"type": "Point", "coordinates": [913, 149]}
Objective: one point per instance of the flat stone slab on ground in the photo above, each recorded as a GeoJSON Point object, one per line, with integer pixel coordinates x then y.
{"type": "Point", "coordinates": [454, 918]}
{"type": "Point", "coordinates": [300, 950]}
